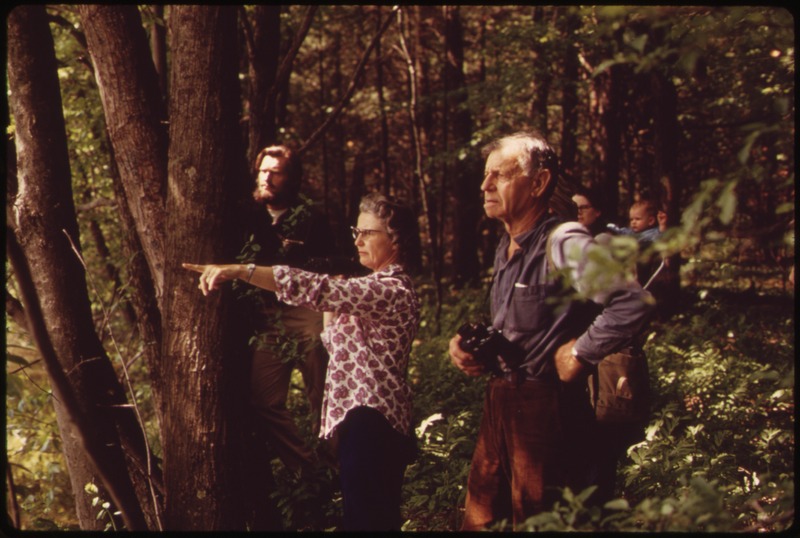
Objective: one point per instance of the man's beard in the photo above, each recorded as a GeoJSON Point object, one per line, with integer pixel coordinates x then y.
{"type": "Point", "coordinates": [273, 198]}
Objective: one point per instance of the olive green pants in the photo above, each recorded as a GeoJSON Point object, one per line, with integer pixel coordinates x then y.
{"type": "Point", "coordinates": [291, 343]}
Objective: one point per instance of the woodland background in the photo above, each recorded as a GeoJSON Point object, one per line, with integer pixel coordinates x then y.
{"type": "Point", "coordinates": [129, 149]}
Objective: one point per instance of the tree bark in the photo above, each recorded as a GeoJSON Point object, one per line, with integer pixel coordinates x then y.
{"type": "Point", "coordinates": [142, 295]}
{"type": "Point", "coordinates": [200, 440]}
{"type": "Point", "coordinates": [569, 145]}
{"type": "Point", "coordinates": [45, 224]}
{"type": "Point", "coordinates": [612, 94]}
{"type": "Point", "coordinates": [542, 79]}
{"type": "Point", "coordinates": [423, 114]}
{"type": "Point", "coordinates": [263, 54]}
{"type": "Point", "coordinates": [386, 167]}
{"type": "Point", "coordinates": [666, 142]}
{"type": "Point", "coordinates": [134, 115]}
{"type": "Point", "coordinates": [111, 272]}
{"type": "Point", "coordinates": [422, 180]}
{"type": "Point", "coordinates": [158, 48]}
{"type": "Point", "coordinates": [466, 178]}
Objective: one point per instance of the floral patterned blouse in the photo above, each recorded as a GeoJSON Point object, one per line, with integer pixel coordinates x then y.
{"type": "Point", "coordinates": [369, 340]}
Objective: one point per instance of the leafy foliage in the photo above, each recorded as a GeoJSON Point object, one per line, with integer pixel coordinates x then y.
{"type": "Point", "coordinates": [447, 408]}
{"type": "Point", "coordinates": [718, 453]}
{"type": "Point", "coordinates": [33, 446]}
{"type": "Point", "coordinates": [308, 501]}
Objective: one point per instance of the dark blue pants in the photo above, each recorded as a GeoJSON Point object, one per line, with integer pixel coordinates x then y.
{"type": "Point", "coordinates": [372, 459]}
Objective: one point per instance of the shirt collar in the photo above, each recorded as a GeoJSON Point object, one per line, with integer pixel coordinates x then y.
{"type": "Point", "coordinates": [276, 214]}
{"type": "Point", "coordinates": [391, 269]}
{"type": "Point", "coordinates": [528, 237]}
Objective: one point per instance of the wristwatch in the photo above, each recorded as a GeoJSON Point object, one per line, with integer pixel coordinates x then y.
{"type": "Point", "coordinates": [251, 268]}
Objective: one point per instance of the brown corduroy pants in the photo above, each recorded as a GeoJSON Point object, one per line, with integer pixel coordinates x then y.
{"type": "Point", "coordinates": [518, 459]}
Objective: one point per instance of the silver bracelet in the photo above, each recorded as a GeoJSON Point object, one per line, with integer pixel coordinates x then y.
{"type": "Point", "coordinates": [251, 268]}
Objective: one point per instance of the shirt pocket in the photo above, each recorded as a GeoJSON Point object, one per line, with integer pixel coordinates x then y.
{"type": "Point", "coordinates": [529, 310]}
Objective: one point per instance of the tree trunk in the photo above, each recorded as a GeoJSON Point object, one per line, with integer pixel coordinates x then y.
{"type": "Point", "coordinates": [466, 177]}
{"type": "Point", "coordinates": [158, 48]}
{"type": "Point", "coordinates": [542, 80]}
{"type": "Point", "coordinates": [142, 293]}
{"type": "Point", "coordinates": [335, 156]}
{"type": "Point", "coordinates": [45, 224]}
{"type": "Point", "coordinates": [488, 231]}
{"type": "Point", "coordinates": [134, 114]}
{"type": "Point", "coordinates": [324, 150]}
{"type": "Point", "coordinates": [569, 131]}
{"type": "Point", "coordinates": [666, 143]}
{"type": "Point", "coordinates": [611, 93]}
{"type": "Point", "coordinates": [263, 56]}
{"type": "Point", "coordinates": [111, 273]}
{"type": "Point", "coordinates": [422, 180]}
{"type": "Point", "coordinates": [386, 167]}
{"type": "Point", "coordinates": [199, 434]}
{"type": "Point", "coordinates": [424, 104]}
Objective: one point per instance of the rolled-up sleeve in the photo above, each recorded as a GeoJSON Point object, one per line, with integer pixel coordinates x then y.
{"type": "Point", "coordinates": [626, 306]}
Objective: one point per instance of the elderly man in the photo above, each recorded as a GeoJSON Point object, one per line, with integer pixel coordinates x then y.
{"type": "Point", "coordinates": [537, 413]}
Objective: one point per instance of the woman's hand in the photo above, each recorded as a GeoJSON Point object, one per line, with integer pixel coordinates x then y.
{"type": "Point", "coordinates": [464, 361]}
{"type": "Point", "coordinates": [213, 275]}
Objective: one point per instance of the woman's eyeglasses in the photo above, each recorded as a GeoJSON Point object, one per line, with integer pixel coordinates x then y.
{"type": "Point", "coordinates": [366, 232]}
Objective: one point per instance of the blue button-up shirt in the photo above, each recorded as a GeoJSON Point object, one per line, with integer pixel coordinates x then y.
{"type": "Point", "coordinates": [531, 308]}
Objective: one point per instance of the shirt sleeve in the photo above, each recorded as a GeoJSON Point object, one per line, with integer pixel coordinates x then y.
{"type": "Point", "coordinates": [619, 230]}
{"type": "Point", "coordinates": [368, 297]}
{"type": "Point", "coordinates": [626, 307]}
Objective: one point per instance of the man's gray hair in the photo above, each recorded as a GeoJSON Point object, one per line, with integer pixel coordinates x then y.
{"type": "Point", "coordinates": [535, 153]}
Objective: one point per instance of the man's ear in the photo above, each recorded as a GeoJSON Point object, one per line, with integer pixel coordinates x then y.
{"type": "Point", "coordinates": [540, 182]}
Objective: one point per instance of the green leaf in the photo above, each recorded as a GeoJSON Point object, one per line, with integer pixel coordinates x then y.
{"type": "Point", "coordinates": [16, 359]}
{"type": "Point", "coordinates": [617, 504]}
{"type": "Point", "coordinates": [744, 153]}
{"type": "Point", "coordinates": [727, 203]}
{"type": "Point", "coordinates": [639, 43]}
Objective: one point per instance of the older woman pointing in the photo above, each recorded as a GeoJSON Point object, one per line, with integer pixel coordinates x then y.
{"type": "Point", "coordinates": [367, 399]}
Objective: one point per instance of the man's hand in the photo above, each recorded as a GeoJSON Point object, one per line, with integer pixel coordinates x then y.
{"type": "Point", "coordinates": [661, 217]}
{"type": "Point", "coordinates": [567, 366]}
{"type": "Point", "coordinates": [464, 361]}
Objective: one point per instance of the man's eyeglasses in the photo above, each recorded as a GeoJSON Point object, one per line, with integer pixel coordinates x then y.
{"type": "Point", "coordinates": [584, 207]}
{"type": "Point", "coordinates": [366, 232]}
